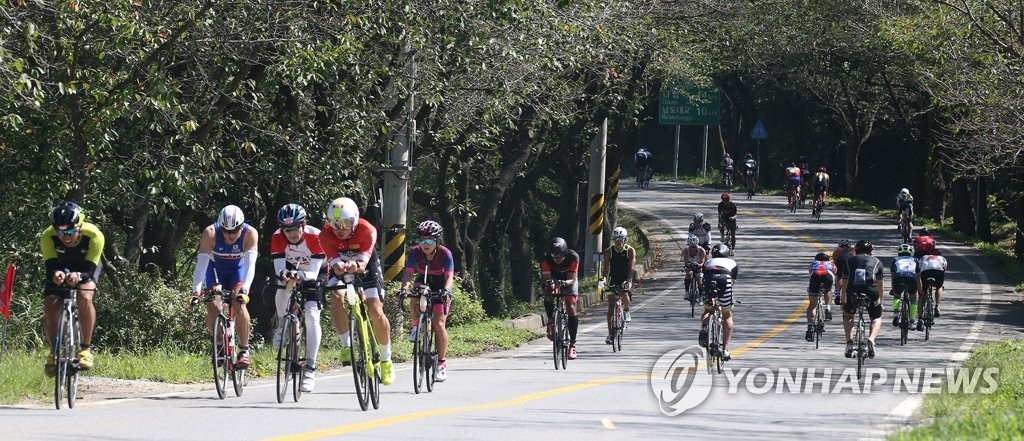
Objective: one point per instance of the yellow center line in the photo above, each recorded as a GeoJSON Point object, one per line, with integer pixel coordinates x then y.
{"type": "Point", "coordinates": [350, 428]}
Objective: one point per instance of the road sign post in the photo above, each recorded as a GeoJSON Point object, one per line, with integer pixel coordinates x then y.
{"type": "Point", "coordinates": [680, 104]}
{"type": "Point", "coordinates": [758, 133]}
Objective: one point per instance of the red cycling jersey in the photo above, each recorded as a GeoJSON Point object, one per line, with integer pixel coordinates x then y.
{"type": "Point", "coordinates": [358, 247]}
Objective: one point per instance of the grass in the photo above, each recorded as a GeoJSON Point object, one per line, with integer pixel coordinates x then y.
{"type": "Point", "coordinates": [998, 415]}
{"type": "Point", "coordinates": [21, 372]}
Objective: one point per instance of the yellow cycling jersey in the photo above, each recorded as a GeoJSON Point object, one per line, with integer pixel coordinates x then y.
{"type": "Point", "coordinates": [82, 257]}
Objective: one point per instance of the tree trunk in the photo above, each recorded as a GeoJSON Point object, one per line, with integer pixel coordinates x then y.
{"type": "Point", "coordinates": [1018, 245]}
{"type": "Point", "coordinates": [492, 275]}
{"type": "Point", "coordinates": [520, 259]}
{"type": "Point", "coordinates": [984, 226]}
{"type": "Point", "coordinates": [963, 217]}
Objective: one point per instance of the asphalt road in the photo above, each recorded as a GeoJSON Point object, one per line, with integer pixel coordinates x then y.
{"type": "Point", "coordinates": [605, 395]}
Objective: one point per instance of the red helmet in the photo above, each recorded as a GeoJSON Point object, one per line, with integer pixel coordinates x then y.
{"type": "Point", "coordinates": [725, 196]}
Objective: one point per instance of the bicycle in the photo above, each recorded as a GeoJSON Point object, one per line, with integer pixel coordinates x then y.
{"type": "Point", "coordinates": [65, 349]}
{"type": "Point", "coordinates": [904, 316]}
{"type": "Point", "coordinates": [819, 315]}
{"type": "Point", "coordinates": [904, 227]}
{"type": "Point", "coordinates": [560, 339]}
{"type": "Point", "coordinates": [694, 293]}
{"type": "Point", "coordinates": [862, 329]}
{"type": "Point", "coordinates": [618, 322]}
{"type": "Point", "coordinates": [365, 354]}
{"type": "Point", "coordinates": [816, 208]}
{"type": "Point", "coordinates": [794, 198]}
{"type": "Point", "coordinates": [224, 351]}
{"type": "Point", "coordinates": [424, 354]}
{"type": "Point", "coordinates": [716, 355]}
{"type": "Point", "coordinates": [727, 178]}
{"type": "Point", "coordinates": [291, 353]}
{"type": "Point", "coordinates": [750, 184]}
{"type": "Point", "coordinates": [927, 310]}
{"type": "Point", "coordinates": [727, 228]}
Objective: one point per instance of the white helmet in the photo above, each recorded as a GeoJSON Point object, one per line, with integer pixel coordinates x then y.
{"type": "Point", "coordinates": [904, 192]}
{"type": "Point", "coordinates": [619, 233]}
{"type": "Point", "coordinates": [698, 217]}
{"type": "Point", "coordinates": [231, 218]}
{"type": "Point", "coordinates": [342, 213]}
{"type": "Point", "coordinates": [692, 240]}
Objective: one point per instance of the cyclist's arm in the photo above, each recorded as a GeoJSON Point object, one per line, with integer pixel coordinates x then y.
{"type": "Point", "coordinates": [206, 242]}
{"type": "Point", "coordinates": [248, 270]}
{"type": "Point", "coordinates": [632, 264]}
{"type": "Point", "coordinates": [92, 256]}
{"type": "Point", "coordinates": [545, 270]}
{"type": "Point", "coordinates": [606, 254]}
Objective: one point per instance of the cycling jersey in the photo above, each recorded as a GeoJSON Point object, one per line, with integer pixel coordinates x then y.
{"type": "Point", "coordinates": [821, 181]}
{"type": "Point", "coordinates": [750, 165]}
{"type": "Point", "coordinates": [864, 270]}
{"type": "Point", "coordinates": [792, 176]}
{"type": "Point", "coordinates": [618, 264]}
{"type": "Point", "coordinates": [719, 274]}
{"type": "Point", "coordinates": [694, 255]}
{"type": "Point", "coordinates": [727, 209]}
{"type": "Point", "coordinates": [306, 256]}
{"type": "Point", "coordinates": [839, 256]}
{"type": "Point", "coordinates": [82, 257]}
{"type": "Point", "coordinates": [727, 163]}
{"type": "Point", "coordinates": [924, 245]}
{"type": "Point", "coordinates": [932, 262]}
{"type": "Point", "coordinates": [702, 231]}
{"type": "Point", "coordinates": [359, 247]}
{"type": "Point", "coordinates": [905, 203]}
{"type": "Point", "coordinates": [904, 266]}
{"type": "Point", "coordinates": [436, 270]}
{"type": "Point", "coordinates": [820, 272]}
{"type": "Point", "coordinates": [227, 266]}
{"type": "Point", "coordinates": [560, 271]}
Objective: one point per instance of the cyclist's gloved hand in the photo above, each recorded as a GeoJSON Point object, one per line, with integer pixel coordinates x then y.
{"type": "Point", "coordinates": [447, 292]}
{"type": "Point", "coordinates": [243, 297]}
{"type": "Point", "coordinates": [194, 300]}
{"type": "Point", "coordinates": [402, 293]}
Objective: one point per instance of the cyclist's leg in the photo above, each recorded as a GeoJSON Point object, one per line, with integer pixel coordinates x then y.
{"type": "Point", "coordinates": [339, 315]}
{"type": "Point", "coordinates": [52, 306]}
{"type": "Point", "coordinates": [414, 313]}
{"type": "Point", "coordinates": [611, 310]}
{"type": "Point", "coordinates": [439, 322]}
{"type": "Point", "coordinates": [574, 320]}
{"type": "Point", "coordinates": [727, 327]}
{"type": "Point", "coordinates": [849, 309]}
{"type": "Point", "coordinates": [625, 299]}
{"type": "Point", "coordinates": [875, 312]}
{"type": "Point", "coordinates": [314, 332]}
{"type": "Point", "coordinates": [242, 323]}
{"type": "Point", "coordinates": [379, 321]}
{"type": "Point", "coordinates": [281, 300]}
{"type": "Point", "coordinates": [812, 304]}
{"type": "Point", "coordinates": [86, 311]}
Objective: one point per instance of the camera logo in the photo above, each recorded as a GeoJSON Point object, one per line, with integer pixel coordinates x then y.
{"type": "Point", "coordinates": [677, 380]}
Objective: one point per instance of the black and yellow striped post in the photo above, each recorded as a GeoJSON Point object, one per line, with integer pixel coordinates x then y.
{"type": "Point", "coordinates": [613, 197]}
{"type": "Point", "coordinates": [595, 188]}
{"type": "Point", "coordinates": [596, 213]}
{"type": "Point", "coordinates": [394, 252]}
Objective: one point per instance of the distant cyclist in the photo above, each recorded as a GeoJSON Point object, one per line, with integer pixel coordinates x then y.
{"type": "Point", "coordinates": [693, 259]}
{"type": "Point", "coordinates": [793, 182]}
{"type": "Point", "coordinates": [905, 208]}
{"type": "Point", "coordinates": [933, 266]}
{"type": "Point", "coordinates": [719, 274]}
{"type": "Point", "coordinates": [821, 184]}
{"type": "Point", "coordinates": [227, 259]}
{"type": "Point", "coordinates": [727, 217]}
{"type": "Point", "coordinates": [559, 268]}
{"type": "Point", "coordinates": [866, 277]}
{"type": "Point", "coordinates": [904, 278]}
{"type": "Point", "coordinates": [432, 262]}
{"type": "Point", "coordinates": [924, 244]}
{"type": "Point", "coordinates": [71, 249]}
{"type": "Point", "coordinates": [727, 167]}
{"type": "Point", "coordinates": [298, 258]}
{"type": "Point", "coordinates": [643, 158]}
{"type": "Point", "coordinates": [701, 229]}
{"type": "Point", "coordinates": [619, 260]}
{"type": "Point", "coordinates": [822, 272]}
{"type": "Point", "coordinates": [749, 171]}
{"type": "Point", "coordinates": [842, 252]}
{"type": "Point", "coordinates": [805, 176]}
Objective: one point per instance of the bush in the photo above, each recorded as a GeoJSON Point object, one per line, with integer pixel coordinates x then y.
{"type": "Point", "coordinates": [144, 313]}
{"type": "Point", "coordinates": [467, 308]}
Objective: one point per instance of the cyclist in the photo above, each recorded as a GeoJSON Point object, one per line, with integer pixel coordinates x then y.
{"type": "Point", "coordinates": [434, 261]}
{"type": "Point", "coordinates": [619, 260]}
{"type": "Point", "coordinates": [924, 244]}
{"type": "Point", "coordinates": [822, 271]}
{"type": "Point", "coordinates": [904, 277]}
{"type": "Point", "coordinates": [750, 168]}
{"type": "Point", "coordinates": [865, 272]}
{"type": "Point", "coordinates": [805, 176]}
{"type": "Point", "coordinates": [694, 258]}
{"type": "Point", "coordinates": [559, 267]}
{"type": "Point", "coordinates": [349, 242]}
{"type": "Point", "coordinates": [702, 230]}
{"type": "Point", "coordinates": [905, 208]}
{"type": "Point", "coordinates": [71, 249]}
{"type": "Point", "coordinates": [298, 258]}
{"type": "Point", "coordinates": [821, 182]}
{"type": "Point", "coordinates": [719, 273]}
{"type": "Point", "coordinates": [727, 167]}
{"type": "Point", "coordinates": [227, 258]}
{"type": "Point", "coordinates": [727, 217]}
{"type": "Point", "coordinates": [793, 182]}
{"type": "Point", "coordinates": [933, 265]}
{"type": "Point", "coordinates": [842, 252]}
{"type": "Point", "coordinates": [644, 158]}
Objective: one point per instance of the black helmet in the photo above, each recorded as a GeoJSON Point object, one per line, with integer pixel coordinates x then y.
{"type": "Point", "coordinates": [924, 232]}
{"type": "Point", "coordinates": [720, 250]}
{"type": "Point", "coordinates": [844, 242]}
{"type": "Point", "coordinates": [430, 228]}
{"type": "Point", "coordinates": [67, 215]}
{"type": "Point", "coordinates": [863, 247]}
{"type": "Point", "coordinates": [558, 247]}
{"type": "Point", "coordinates": [821, 256]}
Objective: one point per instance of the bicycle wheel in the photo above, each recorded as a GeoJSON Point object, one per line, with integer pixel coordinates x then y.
{"type": "Point", "coordinates": [62, 356]}
{"type": "Point", "coordinates": [284, 360]}
{"type": "Point", "coordinates": [359, 360]}
{"type": "Point", "coordinates": [819, 322]}
{"type": "Point", "coordinates": [429, 358]}
{"type": "Point", "coordinates": [861, 346]}
{"type": "Point", "coordinates": [616, 326]}
{"type": "Point", "coordinates": [72, 372]}
{"type": "Point", "coordinates": [418, 361]}
{"type": "Point", "coordinates": [298, 360]}
{"type": "Point", "coordinates": [219, 356]}
{"type": "Point", "coordinates": [556, 340]}
{"type": "Point", "coordinates": [564, 333]}
{"type": "Point", "coordinates": [237, 375]}
{"type": "Point", "coordinates": [904, 320]}
{"type": "Point", "coordinates": [374, 381]}
{"type": "Point", "coordinates": [926, 314]}
{"type": "Point", "coordinates": [621, 327]}
{"type": "Point", "coordinates": [693, 298]}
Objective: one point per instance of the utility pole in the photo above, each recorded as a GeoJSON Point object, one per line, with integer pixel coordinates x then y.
{"type": "Point", "coordinates": [595, 218]}
{"type": "Point", "coordinates": [396, 186]}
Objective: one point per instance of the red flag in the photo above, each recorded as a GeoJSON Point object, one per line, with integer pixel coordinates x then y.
{"type": "Point", "coordinates": [5, 293]}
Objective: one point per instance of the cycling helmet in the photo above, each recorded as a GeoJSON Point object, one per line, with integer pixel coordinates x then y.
{"type": "Point", "coordinates": [619, 233]}
{"type": "Point", "coordinates": [750, 156]}
{"type": "Point", "coordinates": [692, 241]}
{"type": "Point", "coordinates": [726, 154]}
{"type": "Point", "coordinates": [924, 232]}
{"type": "Point", "coordinates": [822, 169]}
{"type": "Point", "coordinates": [905, 250]}
{"type": "Point", "coordinates": [725, 196]}
{"type": "Point", "coordinates": [342, 213]}
{"type": "Point", "coordinates": [844, 243]}
{"type": "Point", "coordinates": [904, 192]}
{"type": "Point", "coordinates": [429, 228]}
{"type": "Point", "coordinates": [291, 214]}
{"type": "Point", "coordinates": [821, 256]}
{"type": "Point", "coordinates": [698, 217]}
{"type": "Point", "coordinates": [558, 247]}
{"type": "Point", "coordinates": [863, 247]}
{"type": "Point", "coordinates": [231, 218]}
{"type": "Point", "coordinates": [720, 250]}
{"type": "Point", "coordinates": [67, 215]}
{"type": "Point", "coordinates": [792, 164]}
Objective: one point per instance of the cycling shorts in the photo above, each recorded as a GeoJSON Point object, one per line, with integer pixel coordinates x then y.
{"type": "Point", "coordinates": [901, 283]}
{"type": "Point", "coordinates": [812, 287]}
{"type": "Point", "coordinates": [793, 182]}
{"type": "Point", "coordinates": [938, 275]}
{"type": "Point", "coordinates": [842, 270]}
{"type": "Point", "coordinates": [874, 303]}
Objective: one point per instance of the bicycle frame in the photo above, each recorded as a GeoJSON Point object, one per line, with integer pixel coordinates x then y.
{"type": "Point", "coordinates": [425, 353]}
{"type": "Point", "coordinates": [618, 320]}
{"type": "Point", "coordinates": [904, 316]}
{"type": "Point", "coordinates": [291, 354]}
{"type": "Point", "coordinates": [819, 315]}
{"type": "Point", "coordinates": [862, 329]}
{"type": "Point", "coordinates": [364, 363]}
{"type": "Point", "coordinates": [66, 343]}
{"type": "Point", "coordinates": [560, 340]}
{"type": "Point", "coordinates": [224, 328]}
{"type": "Point", "coordinates": [927, 308]}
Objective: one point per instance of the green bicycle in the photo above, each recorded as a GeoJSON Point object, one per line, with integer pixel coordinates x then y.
{"type": "Point", "coordinates": [365, 354]}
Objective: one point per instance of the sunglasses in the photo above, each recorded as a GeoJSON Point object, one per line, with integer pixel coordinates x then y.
{"type": "Point", "coordinates": [428, 241]}
{"type": "Point", "coordinates": [231, 232]}
{"type": "Point", "coordinates": [341, 225]}
{"type": "Point", "coordinates": [69, 232]}
{"type": "Point", "coordinates": [291, 229]}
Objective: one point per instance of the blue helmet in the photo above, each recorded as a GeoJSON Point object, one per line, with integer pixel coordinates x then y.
{"type": "Point", "coordinates": [291, 214]}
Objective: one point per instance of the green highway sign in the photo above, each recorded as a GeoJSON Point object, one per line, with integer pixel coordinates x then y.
{"type": "Point", "coordinates": [687, 105]}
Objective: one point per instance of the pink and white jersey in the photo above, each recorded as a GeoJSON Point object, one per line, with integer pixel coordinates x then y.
{"type": "Point", "coordinates": [306, 256]}
{"type": "Point", "coordinates": [932, 262]}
